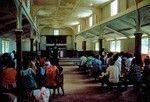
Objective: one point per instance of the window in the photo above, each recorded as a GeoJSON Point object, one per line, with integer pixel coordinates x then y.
{"type": "Point", "coordinates": [90, 21]}
{"type": "Point", "coordinates": [114, 7]}
{"type": "Point", "coordinates": [144, 47]}
{"type": "Point", "coordinates": [118, 46]}
{"type": "Point", "coordinates": [79, 28]}
{"type": "Point", "coordinates": [97, 46]}
{"type": "Point", "coordinates": [115, 46]}
{"type": "Point", "coordinates": [56, 32]}
{"type": "Point", "coordinates": [5, 46]}
{"type": "Point", "coordinates": [112, 46]}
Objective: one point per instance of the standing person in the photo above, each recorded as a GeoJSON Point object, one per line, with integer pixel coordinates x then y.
{"type": "Point", "coordinates": [60, 80]}
{"type": "Point", "coordinates": [51, 76]}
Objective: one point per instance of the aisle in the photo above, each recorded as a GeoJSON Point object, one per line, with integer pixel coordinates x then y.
{"type": "Point", "coordinates": [80, 88]}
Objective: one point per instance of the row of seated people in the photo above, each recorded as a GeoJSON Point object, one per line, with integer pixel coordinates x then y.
{"type": "Point", "coordinates": [37, 75]}
{"type": "Point", "coordinates": [120, 69]}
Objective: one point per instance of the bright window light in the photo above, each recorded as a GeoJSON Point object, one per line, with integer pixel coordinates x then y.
{"type": "Point", "coordinates": [115, 46]}
{"type": "Point", "coordinates": [56, 32]}
{"type": "Point", "coordinates": [114, 7]}
{"type": "Point", "coordinates": [79, 28]}
{"type": "Point", "coordinates": [5, 46]}
{"type": "Point", "coordinates": [144, 47]}
{"type": "Point", "coordinates": [112, 46]}
{"type": "Point", "coordinates": [90, 21]}
{"type": "Point", "coordinates": [97, 46]}
{"type": "Point", "coordinates": [118, 46]}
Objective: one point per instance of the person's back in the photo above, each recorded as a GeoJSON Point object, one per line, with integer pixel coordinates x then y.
{"type": "Point", "coordinates": [28, 78]}
{"type": "Point", "coordinates": [97, 64]}
{"type": "Point", "coordinates": [113, 74]}
{"type": "Point", "coordinates": [51, 74]}
{"type": "Point", "coordinates": [9, 77]}
{"type": "Point", "coordinates": [83, 60]}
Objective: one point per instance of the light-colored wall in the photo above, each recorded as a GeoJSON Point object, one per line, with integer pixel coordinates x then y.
{"type": "Point", "coordinates": [79, 40]}
{"type": "Point", "coordinates": [69, 43]}
{"type": "Point", "coordinates": [127, 45]}
{"type": "Point", "coordinates": [122, 5]}
{"type": "Point", "coordinates": [106, 12]}
{"type": "Point", "coordinates": [26, 44]}
{"type": "Point", "coordinates": [43, 43]}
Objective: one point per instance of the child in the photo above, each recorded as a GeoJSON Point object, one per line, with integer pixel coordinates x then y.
{"type": "Point", "coordinates": [60, 80]}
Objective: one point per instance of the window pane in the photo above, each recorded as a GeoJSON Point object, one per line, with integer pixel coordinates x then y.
{"type": "Point", "coordinates": [90, 21]}
{"type": "Point", "coordinates": [118, 46]}
{"type": "Point", "coordinates": [3, 46]}
{"type": "Point", "coordinates": [56, 32]}
{"type": "Point", "coordinates": [114, 7]}
{"type": "Point", "coordinates": [112, 46]}
{"type": "Point", "coordinates": [97, 46]}
{"type": "Point", "coordinates": [6, 46]}
{"type": "Point", "coordinates": [144, 46]}
{"type": "Point", "coordinates": [79, 28]}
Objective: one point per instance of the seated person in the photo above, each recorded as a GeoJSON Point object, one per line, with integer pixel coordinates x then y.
{"type": "Point", "coordinates": [113, 72]}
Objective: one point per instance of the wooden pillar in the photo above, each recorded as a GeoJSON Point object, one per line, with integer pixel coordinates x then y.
{"type": "Point", "coordinates": [19, 51]}
{"type": "Point", "coordinates": [137, 51]}
{"type": "Point", "coordinates": [31, 45]}
{"type": "Point", "coordinates": [36, 48]}
{"type": "Point", "coordinates": [84, 45]}
{"type": "Point", "coordinates": [39, 46]}
{"type": "Point", "coordinates": [100, 46]}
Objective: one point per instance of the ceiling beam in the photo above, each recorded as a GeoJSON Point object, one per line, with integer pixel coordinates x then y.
{"type": "Point", "coordinates": [132, 26]}
{"type": "Point", "coordinates": [128, 23]}
{"type": "Point", "coordinates": [115, 31]}
{"type": "Point", "coordinates": [6, 17]}
{"type": "Point", "coordinates": [145, 32]}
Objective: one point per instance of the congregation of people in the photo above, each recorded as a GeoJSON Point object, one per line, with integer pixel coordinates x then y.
{"type": "Point", "coordinates": [118, 70]}
{"type": "Point", "coordinates": [38, 79]}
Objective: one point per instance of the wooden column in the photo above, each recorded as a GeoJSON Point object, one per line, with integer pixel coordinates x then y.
{"type": "Point", "coordinates": [31, 45]}
{"type": "Point", "coordinates": [100, 46]}
{"type": "Point", "coordinates": [19, 51]}
{"type": "Point", "coordinates": [36, 48]}
{"type": "Point", "coordinates": [137, 51]}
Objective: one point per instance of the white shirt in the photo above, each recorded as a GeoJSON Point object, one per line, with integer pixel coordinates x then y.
{"type": "Point", "coordinates": [118, 64]}
{"type": "Point", "coordinates": [113, 73]}
{"type": "Point", "coordinates": [83, 60]}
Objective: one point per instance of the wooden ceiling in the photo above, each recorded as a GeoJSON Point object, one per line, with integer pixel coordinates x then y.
{"type": "Point", "coordinates": [8, 19]}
